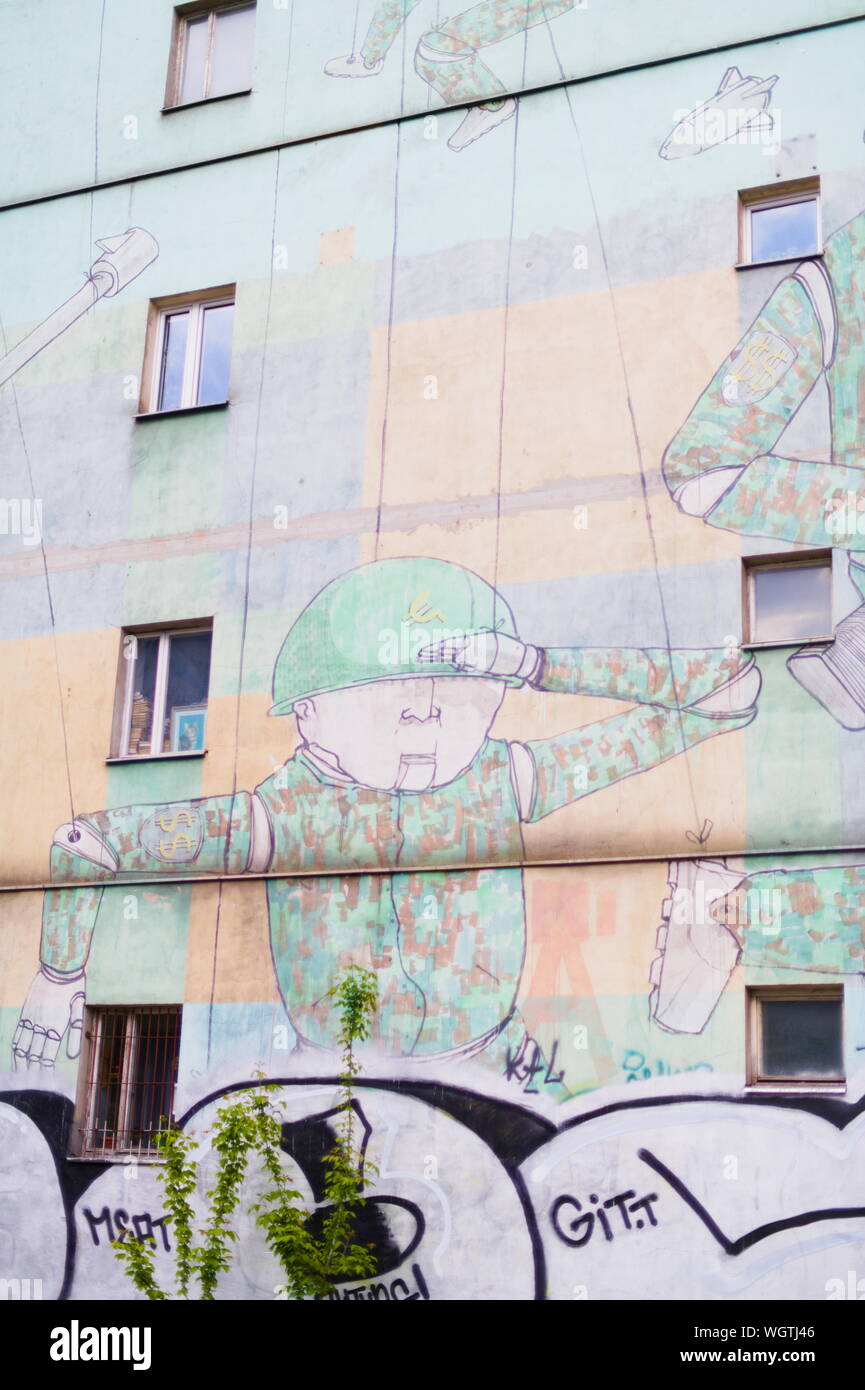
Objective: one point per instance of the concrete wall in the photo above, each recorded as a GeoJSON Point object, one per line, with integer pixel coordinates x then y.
{"type": "Point", "coordinates": [467, 387]}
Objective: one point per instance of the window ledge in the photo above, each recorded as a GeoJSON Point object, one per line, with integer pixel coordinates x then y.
{"type": "Point", "coordinates": [181, 410]}
{"type": "Point", "coordinates": [788, 642]}
{"type": "Point", "coordinates": [156, 757]}
{"type": "Point", "coordinates": [797, 1088]}
{"type": "Point", "coordinates": [780, 260]}
{"type": "Point", "coordinates": [116, 1156]}
{"type": "Point", "coordinates": [206, 101]}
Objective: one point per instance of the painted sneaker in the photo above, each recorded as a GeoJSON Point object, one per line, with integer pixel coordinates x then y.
{"type": "Point", "coordinates": [479, 120]}
{"type": "Point", "coordinates": [696, 953]}
{"type": "Point", "coordinates": [835, 674]}
{"type": "Point", "coordinates": [736, 696]}
{"type": "Point", "coordinates": [352, 66]}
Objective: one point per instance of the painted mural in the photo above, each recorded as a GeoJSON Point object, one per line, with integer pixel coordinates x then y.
{"type": "Point", "coordinates": [728, 465]}
{"type": "Point", "coordinates": [394, 767]}
{"type": "Point", "coordinates": [480, 716]}
{"type": "Point", "coordinates": [448, 56]}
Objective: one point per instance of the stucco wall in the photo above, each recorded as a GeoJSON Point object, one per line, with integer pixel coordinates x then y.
{"type": "Point", "coordinates": [458, 389]}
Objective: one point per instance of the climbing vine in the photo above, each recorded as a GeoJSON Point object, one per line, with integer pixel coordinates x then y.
{"type": "Point", "coordinates": [314, 1251]}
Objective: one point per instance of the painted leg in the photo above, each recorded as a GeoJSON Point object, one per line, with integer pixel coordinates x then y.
{"type": "Point", "coordinates": [806, 919]}
{"type": "Point", "coordinates": [696, 953]}
{"type": "Point", "coordinates": [388, 19]}
{"type": "Point", "coordinates": [447, 58]}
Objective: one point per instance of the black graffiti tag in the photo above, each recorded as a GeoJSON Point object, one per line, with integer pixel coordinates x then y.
{"type": "Point", "coordinates": [143, 1226]}
{"type": "Point", "coordinates": [569, 1216]}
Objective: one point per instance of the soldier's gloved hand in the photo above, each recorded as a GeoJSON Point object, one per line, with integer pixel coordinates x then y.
{"type": "Point", "coordinates": [485, 653]}
{"type": "Point", "coordinates": [54, 1006]}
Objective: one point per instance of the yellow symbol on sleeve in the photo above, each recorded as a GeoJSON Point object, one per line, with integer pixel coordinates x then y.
{"type": "Point", "coordinates": [181, 844]}
{"type": "Point", "coordinates": [180, 817]}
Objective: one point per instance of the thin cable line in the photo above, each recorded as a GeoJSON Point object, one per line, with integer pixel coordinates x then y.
{"type": "Point", "coordinates": [390, 318]}
{"type": "Point", "coordinates": [213, 971]}
{"type": "Point", "coordinates": [632, 418]}
{"type": "Point", "coordinates": [505, 334]}
{"type": "Point", "coordinates": [288, 66]}
{"type": "Point", "coordinates": [246, 584]}
{"type": "Point", "coordinates": [96, 114]}
{"type": "Point", "coordinates": [354, 28]}
{"type": "Point", "coordinates": [46, 573]}
{"type": "Point", "coordinates": [252, 481]}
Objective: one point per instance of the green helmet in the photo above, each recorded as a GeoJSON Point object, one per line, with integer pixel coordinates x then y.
{"type": "Point", "coordinates": [368, 625]}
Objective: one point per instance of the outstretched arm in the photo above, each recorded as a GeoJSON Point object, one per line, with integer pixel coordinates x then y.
{"type": "Point", "coordinates": [685, 696]}
{"type": "Point", "coordinates": [227, 834]}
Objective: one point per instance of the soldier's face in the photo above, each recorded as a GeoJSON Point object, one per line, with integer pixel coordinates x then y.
{"type": "Point", "coordinates": [403, 734]}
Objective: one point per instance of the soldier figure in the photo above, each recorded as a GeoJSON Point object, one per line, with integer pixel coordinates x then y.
{"type": "Point", "coordinates": [392, 814]}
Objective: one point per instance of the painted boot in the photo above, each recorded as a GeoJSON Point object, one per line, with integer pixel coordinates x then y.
{"type": "Point", "coordinates": [352, 65]}
{"type": "Point", "coordinates": [835, 674]}
{"type": "Point", "coordinates": [479, 120]}
{"type": "Point", "coordinates": [696, 953]}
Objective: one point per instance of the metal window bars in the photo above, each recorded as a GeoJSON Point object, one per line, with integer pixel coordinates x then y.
{"type": "Point", "coordinates": [131, 1077]}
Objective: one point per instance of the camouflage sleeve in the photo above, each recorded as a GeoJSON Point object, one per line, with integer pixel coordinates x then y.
{"type": "Point", "coordinates": [69, 914]}
{"type": "Point", "coordinates": [641, 675]}
{"type": "Point", "coordinates": [212, 835]}
{"type": "Point", "coordinates": [575, 764]}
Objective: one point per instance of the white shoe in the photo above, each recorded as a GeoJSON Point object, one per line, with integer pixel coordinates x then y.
{"type": "Point", "coordinates": [697, 954]}
{"type": "Point", "coordinates": [735, 696]}
{"type": "Point", "coordinates": [479, 120]}
{"type": "Point", "coordinates": [352, 66]}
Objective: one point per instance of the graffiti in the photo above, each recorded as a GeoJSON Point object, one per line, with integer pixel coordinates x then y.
{"type": "Point", "coordinates": [634, 1063]}
{"type": "Point", "coordinates": [397, 1291]}
{"type": "Point", "coordinates": [143, 1226]}
{"type": "Point", "coordinates": [395, 768]}
{"type": "Point", "coordinates": [738, 111]}
{"type": "Point", "coordinates": [540, 1186]}
{"type": "Point", "coordinates": [567, 1225]}
{"type": "Point", "coordinates": [447, 58]}
{"type": "Point", "coordinates": [527, 1063]}
{"type": "Point", "coordinates": [744, 1242]}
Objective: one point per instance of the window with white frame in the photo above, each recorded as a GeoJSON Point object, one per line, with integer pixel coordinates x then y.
{"type": "Point", "coordinates": [780, 222]}
{"type": "Point", "coordinates": [789, 600]}
{"type": "Point", "coordinates": [796, 1035]}
{"type": "Point", "coordinates": [188, 359]}
{"type": "Point", "coordinates": [211, 54]}
{"type": "Point", "coordinates": [162, 692]}
{"type": "Point", "coordinates": [130, 1077]}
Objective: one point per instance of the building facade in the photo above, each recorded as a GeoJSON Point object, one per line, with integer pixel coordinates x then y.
{"type": "Point", "coordinates": [433, 538]}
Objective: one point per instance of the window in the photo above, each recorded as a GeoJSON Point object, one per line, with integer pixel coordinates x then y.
{"type": "Point", "coordinates": [130, 1077]}
{"type": "Point", "coordinates": [789, 600]}
{"type": "Point", "coordinates": [211, 53]}
{"type": "Point", "coordinates": [780, 222]}
{"type": "Point", "coordinates": [188, 360]}
{"type": "Point", "coordinates": [795, 1035]}
{"type": "Point", "coordinates": [162, 692]}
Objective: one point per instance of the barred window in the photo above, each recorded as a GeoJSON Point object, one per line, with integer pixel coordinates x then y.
{"type": "Point", "coordinates": [131, 1076]}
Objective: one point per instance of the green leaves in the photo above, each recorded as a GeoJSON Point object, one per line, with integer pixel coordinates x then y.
{"type": "Point", "coordinates": [251, 1128]}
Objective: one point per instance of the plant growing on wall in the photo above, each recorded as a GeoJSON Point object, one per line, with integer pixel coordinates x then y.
{"type": "Point", "coordinates": [314, 1254]}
